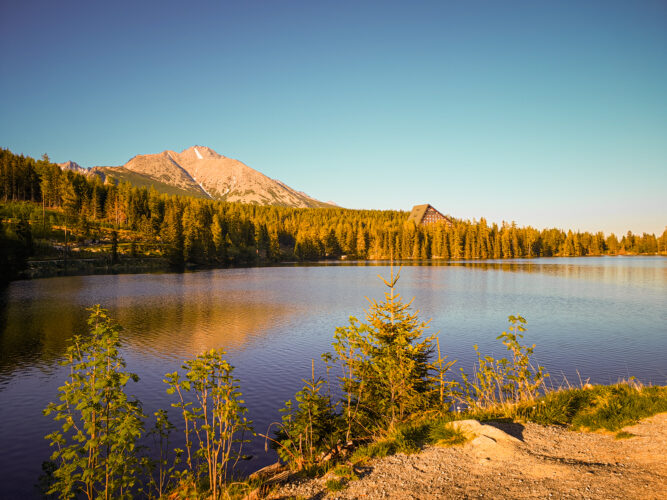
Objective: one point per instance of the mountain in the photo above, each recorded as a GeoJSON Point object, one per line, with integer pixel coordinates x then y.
{"type": "Point", "coordinates": [200, 171]}
{"type": "Point", "coordinates": [73, 166]}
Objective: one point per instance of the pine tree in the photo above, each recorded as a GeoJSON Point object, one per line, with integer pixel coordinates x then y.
{"type": "Point", "coordinates": [172, 235]}
{"type": "Point", "coordinates": [385, 362]}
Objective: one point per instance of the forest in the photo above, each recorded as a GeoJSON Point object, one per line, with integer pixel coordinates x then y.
{"type": "Point", "coordinates": [49, 213]}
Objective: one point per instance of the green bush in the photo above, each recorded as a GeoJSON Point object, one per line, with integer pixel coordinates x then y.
{"type": "Point", "coordinates": [385, 365]}
{"type": "Point", "coordinates": [310, 429]}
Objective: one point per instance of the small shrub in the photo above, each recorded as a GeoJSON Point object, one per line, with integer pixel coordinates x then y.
{"type": "Point", "coordinates": [163, 466]}
{"type": "Point", "coordinates": [96, 447]}
{"type": "Point", "coordinates": [496, 382]}
{"type": "Point", "coordinates": [309, 429]}
{"type": "Point", "coordinates": [444, 390]}
{"type": "Point", "coordinates": [213, 413]}
{"type": "Point", "coordinates": [624, 435]}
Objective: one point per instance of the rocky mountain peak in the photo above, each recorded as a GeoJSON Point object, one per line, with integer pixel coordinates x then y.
{"type": "Point", "coordinates": [201, 152]}
{"type": "Point", "coordinates": [201, 171]}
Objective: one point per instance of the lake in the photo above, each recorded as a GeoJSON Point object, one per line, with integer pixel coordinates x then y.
{"type": "Point", "coordinates": [592, 319]}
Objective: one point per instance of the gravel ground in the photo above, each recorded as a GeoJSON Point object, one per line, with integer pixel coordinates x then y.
{"type": "Point", "coordinates": [515, 461]}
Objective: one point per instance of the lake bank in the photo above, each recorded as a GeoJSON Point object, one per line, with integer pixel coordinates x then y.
{"type": "Point", "coordinates": [90, 267]}
{"type": "Point", "coordinates": [49, 268]}
{"type": "Point", "coordinates": [534, 461]}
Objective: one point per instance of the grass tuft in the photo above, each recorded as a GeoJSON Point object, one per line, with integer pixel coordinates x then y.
{"type": "Point", "coordinates": [335, 485]}
{"type": "Point", "coordinates": [599, 407]}
{"type": "Point", "coordinates": [443, 434]}
{"type": "Point", "coordinates": [624, 435]}
{"type": "Point", "coordinates": [377, 449]}
{"type": "Point", "coordinates": [411, 438]}
{"type": "Point", "coordinates": [346, 472]}
{"type": "Point", "coordinates": [614, 407]}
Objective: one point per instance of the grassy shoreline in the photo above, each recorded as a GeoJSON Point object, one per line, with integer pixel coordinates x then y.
{"type": "Point", "coordinates": [590, 408]}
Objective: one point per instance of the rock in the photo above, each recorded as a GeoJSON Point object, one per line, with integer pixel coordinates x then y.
{"type": "Point", "coordinates": [483, 441]}
{"type": "Point", "coordinates": [475, 428]}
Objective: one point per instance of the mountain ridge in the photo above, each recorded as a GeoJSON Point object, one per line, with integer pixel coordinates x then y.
{"type": "Point", "coordinates": [202, 172]}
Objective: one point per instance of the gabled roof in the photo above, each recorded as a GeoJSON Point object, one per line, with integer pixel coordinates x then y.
{"type": "Point", "coordinates": [418, 212]}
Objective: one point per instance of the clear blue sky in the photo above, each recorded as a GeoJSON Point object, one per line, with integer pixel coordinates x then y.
{"type": "Point", "coordinates": [548, 113]}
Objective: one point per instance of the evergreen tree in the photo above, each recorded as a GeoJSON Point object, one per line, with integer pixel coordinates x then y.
{"type": "Point", "coordinates": [172, 235]}
{"type": "Point", "coordinates": [385, 361]}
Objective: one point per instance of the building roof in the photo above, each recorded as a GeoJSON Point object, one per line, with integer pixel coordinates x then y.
{"type": "Point", "coordinates": [418, 212]}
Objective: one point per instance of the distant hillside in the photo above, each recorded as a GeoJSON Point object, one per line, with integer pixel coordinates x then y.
{"type": "Point", "coordinates": [201, 172]}
{"type": "Point", "coordinates": [122, 174]}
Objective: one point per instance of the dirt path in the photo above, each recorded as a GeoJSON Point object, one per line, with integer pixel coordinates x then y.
{"type": "Point", "coordinates": [517, 461]}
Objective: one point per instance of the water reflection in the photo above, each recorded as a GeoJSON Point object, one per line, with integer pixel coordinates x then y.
{"type": "Point", "coordinates": [35, 333]}
{"type": "Point", "coordinates": [172, 317]}
{"type": "Point", "coordinates": [648, 271]}
{"type": "Point", "coordinates": [181, 328]}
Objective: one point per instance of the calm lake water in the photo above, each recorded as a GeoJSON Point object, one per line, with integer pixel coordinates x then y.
{"type": "Point", "coordinates": [601, 319]}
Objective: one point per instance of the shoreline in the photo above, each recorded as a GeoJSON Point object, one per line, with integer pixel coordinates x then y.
{"type": "Point", "coordinates": [50, 268]}
{"type": "Point", "coordinates": [515, 460]}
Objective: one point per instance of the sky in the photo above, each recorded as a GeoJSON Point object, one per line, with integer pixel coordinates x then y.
{"type": "Point", "coordinates": [546, 113]}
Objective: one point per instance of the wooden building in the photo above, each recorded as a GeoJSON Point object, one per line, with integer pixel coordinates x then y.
{"type": "Point", "coordinates": [426, 214]}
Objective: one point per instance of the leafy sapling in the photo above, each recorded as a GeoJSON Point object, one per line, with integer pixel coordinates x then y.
{"type": "Point", "coordinates": [209, 399]}
{"type": "Point", "coordinates": [95, 447]}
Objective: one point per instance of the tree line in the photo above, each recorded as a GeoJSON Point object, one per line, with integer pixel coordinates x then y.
{"type": "Point", "coordinates": [207, 232]}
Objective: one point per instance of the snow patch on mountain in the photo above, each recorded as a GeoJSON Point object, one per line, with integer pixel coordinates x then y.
{"type": "Point", "coordinates": [202, 187]}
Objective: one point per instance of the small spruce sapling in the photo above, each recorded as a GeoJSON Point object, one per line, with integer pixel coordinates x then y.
{"type": "Point", "coordinates": [444, 388]}
{"type": "Point", "coordinates": [309, 428]}
{"type": "Point", "coordinates": [392, 360]}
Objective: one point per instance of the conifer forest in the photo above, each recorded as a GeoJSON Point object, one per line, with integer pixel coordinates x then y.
{"type": "Point", "coordinates": [48, 213]}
